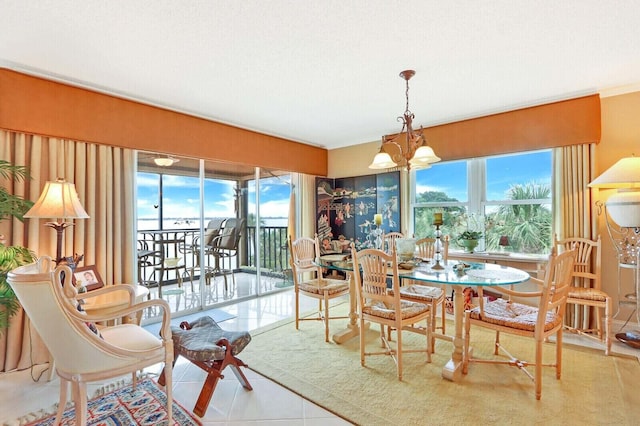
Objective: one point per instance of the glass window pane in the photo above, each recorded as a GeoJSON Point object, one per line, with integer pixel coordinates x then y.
{"type": "Point", "coordinates": [442, 182]}
{"type": "Point", "coordinates": [526, 226]}
{"type": "Point", "coordinates": [148, 201]}
{"type": "Point", "coordinates": [180, 202]}
{"type": "Point", "coordinates": [528, 170]}
{"type": "Point", "coordinates": [424, 218]}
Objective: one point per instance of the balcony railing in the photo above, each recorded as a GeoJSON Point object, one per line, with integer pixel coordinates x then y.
{"type": "Point", "coordinates": [274, 250]}
{"type": "Point", "coordinates": [271, 241]}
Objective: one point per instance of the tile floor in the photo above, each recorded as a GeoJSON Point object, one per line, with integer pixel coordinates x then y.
{"type": "Point", "coordinates": [267, 404]}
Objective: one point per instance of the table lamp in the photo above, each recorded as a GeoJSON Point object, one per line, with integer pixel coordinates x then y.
{"type": "Point", "coordinates": [58, 200]}
{"type": "Point", "coordinates": [624, 209]}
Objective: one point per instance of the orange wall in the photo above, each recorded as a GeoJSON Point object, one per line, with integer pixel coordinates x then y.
{"type": "Point", "coordinates": [34, 105]}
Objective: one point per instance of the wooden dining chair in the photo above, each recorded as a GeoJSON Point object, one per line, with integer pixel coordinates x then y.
{"type": "Point", "coordinates": [377, 305]}
{"type": "Point", "coordinates": [389, 241]}
{"type": "Point", "coordinates": [536, 322]}
{"type": "Point", "coordinates": [308, 281]}
{"type": "Point", "coordinates": [433, 296]}
{"type": "Point", "coordinates": [586, 291]}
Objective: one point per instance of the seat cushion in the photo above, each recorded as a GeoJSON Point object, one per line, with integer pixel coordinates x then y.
{"type": "Point", "coordinates": [587, 294]}
{"type": "Point", "coordinates": [199, 343]}
{"type": "Point", "coordinates": [131, 337]}
{"type": "Point", "coordinates": [420, 292]}
{"type": "Point", "coordinates": [328, 285]}
{"type": "Point", "coordinates": [514, 315]}
{"type": "Point", "coordinates": [407, 309]}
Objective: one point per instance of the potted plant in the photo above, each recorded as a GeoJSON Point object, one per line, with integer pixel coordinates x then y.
{"type": "Point", "coordinates": [11, 256]}
{"type": "Point", "coordinates": [469, 240]}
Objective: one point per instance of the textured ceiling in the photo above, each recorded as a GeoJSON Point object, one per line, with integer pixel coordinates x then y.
{"type": "Point", "coordinates": [326, 72]}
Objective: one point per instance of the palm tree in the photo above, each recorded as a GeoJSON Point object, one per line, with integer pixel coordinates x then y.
{"type": "Point", "coordinates": [11, 256]}
{"type": "Point", "coordinates": [527, 225]}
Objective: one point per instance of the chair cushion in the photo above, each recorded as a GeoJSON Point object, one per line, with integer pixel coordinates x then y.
{"type": "Point", "coordinates": [131, 337]}
{"type": "Point", "coordinates": [420, 292]}
{"type": "Point", "coordinates": [199, 343]}
{"type": "Point", "coordinates": [407, 309]}
{"type": "Point", "coordinates": [587, 294]}
{"type": "Point", "coordinates": [328, 285]}
{"type": "Point", "coordinates": [514, 315]}
{"type": "Point", "coordinates": [209, 235]}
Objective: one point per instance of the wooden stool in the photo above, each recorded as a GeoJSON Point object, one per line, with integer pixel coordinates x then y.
{"type": "Point", "coordinates": [211, 348]}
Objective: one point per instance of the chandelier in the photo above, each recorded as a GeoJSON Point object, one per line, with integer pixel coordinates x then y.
{"type": "Point", "coordinates": [408, 148]}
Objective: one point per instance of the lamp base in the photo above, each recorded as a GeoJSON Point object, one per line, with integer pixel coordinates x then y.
{"type": "Point", "coordinates": [59, 227]}
{"type": "Point", "coordinates": [630, 338]}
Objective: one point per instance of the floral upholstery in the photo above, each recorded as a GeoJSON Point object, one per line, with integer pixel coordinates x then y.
{"type": "Point", "coordinates": [331, 286]}
{"type": "Point", "coordinates": [408, 309]}
{"type": "Point", "coordinates": [200, 342]}
{"type": "Point", "coordinates": [514, 315]}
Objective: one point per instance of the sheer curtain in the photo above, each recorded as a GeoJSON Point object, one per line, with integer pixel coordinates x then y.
{"type": "Point", "coordinates": [573, 169]}
{"type": "Point", "coordinates": [104, 179]}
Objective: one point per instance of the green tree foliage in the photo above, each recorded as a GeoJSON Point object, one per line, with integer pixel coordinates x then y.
{"type": "Point", "coordinates": [528, 226]}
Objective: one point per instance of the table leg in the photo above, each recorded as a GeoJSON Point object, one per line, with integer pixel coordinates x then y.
{"type": "Point", "coordinates": [453, 369]}
{"type": "Point", "coordinates": [352, 329]}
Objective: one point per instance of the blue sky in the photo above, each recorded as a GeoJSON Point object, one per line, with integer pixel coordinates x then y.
{"type": "Point", "coordinates": [181, 197]}
{"type": "Point", "coordinates": [182, 194]}
{"type": "Point", "coordinates": [502, 172]}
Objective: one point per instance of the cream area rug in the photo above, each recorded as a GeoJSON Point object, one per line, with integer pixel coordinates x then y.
{"type": "Point", "coordinates": [594, 389]}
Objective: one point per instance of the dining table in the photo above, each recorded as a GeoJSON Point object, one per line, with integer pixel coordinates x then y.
{"type": "Point", "coordinates": [458, 275]}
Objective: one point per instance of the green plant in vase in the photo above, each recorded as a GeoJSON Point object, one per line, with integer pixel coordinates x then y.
{"type": "Point", "coordinates": [11, 256]}
{"type": "Point", "coordinates": [469, 240]}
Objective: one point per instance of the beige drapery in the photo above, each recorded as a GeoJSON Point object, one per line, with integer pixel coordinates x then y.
{"type": "Point", "coordinates": [104, 179]}
{"type": "Point", "coordinates": [574, 167]}
{"type": "Point", "coordinates": [307, 193]}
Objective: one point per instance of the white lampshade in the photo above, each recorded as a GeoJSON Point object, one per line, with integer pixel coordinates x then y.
{"type": "Point", "coordinates": [624, 206]}
{"type": "Point", "coordinates": [424, 155]}
{"type": "Point", "coordinates": [58, 200]}
{"type": "Point", "coordinates": [382, 160]}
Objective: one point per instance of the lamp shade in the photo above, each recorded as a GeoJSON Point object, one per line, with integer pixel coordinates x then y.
{"type": "Point", "coordinates": [623, 206]}
{"type": "Point", "coordinates": [624, 174]}
{"type": "Point", "coordinates": [424, 155]}
{"type": "Point", "coordinates": [382, 160]}
{"type": "Point", "coordinates": [58, 200]}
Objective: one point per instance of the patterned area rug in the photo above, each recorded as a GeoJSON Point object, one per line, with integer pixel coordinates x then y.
{"type": "Point", "coordinates": [144, 406]}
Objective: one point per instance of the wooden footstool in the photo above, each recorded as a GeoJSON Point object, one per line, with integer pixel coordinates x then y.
{"type": "Point", "coordinates": [211, 348]}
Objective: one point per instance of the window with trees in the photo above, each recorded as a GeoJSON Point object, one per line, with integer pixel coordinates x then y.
{"type": "Point", "coordinates": [493, 197]}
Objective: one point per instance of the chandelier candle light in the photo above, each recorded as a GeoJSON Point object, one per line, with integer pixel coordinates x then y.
{"type": "Point", "coordinates": [408, 148]}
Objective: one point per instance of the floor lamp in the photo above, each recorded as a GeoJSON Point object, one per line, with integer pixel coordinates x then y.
{"type": "Point", "coordinates": [58, 200]}
{"type": "Point", "coordinates": [623, 208]}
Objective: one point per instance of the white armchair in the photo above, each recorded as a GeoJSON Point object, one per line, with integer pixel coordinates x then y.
{"type": "Point", "coordinates": [80, 354]}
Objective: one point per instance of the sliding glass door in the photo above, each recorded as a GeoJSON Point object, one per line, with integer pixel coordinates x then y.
{"type": "Point", "coordinates": [210, 233]}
